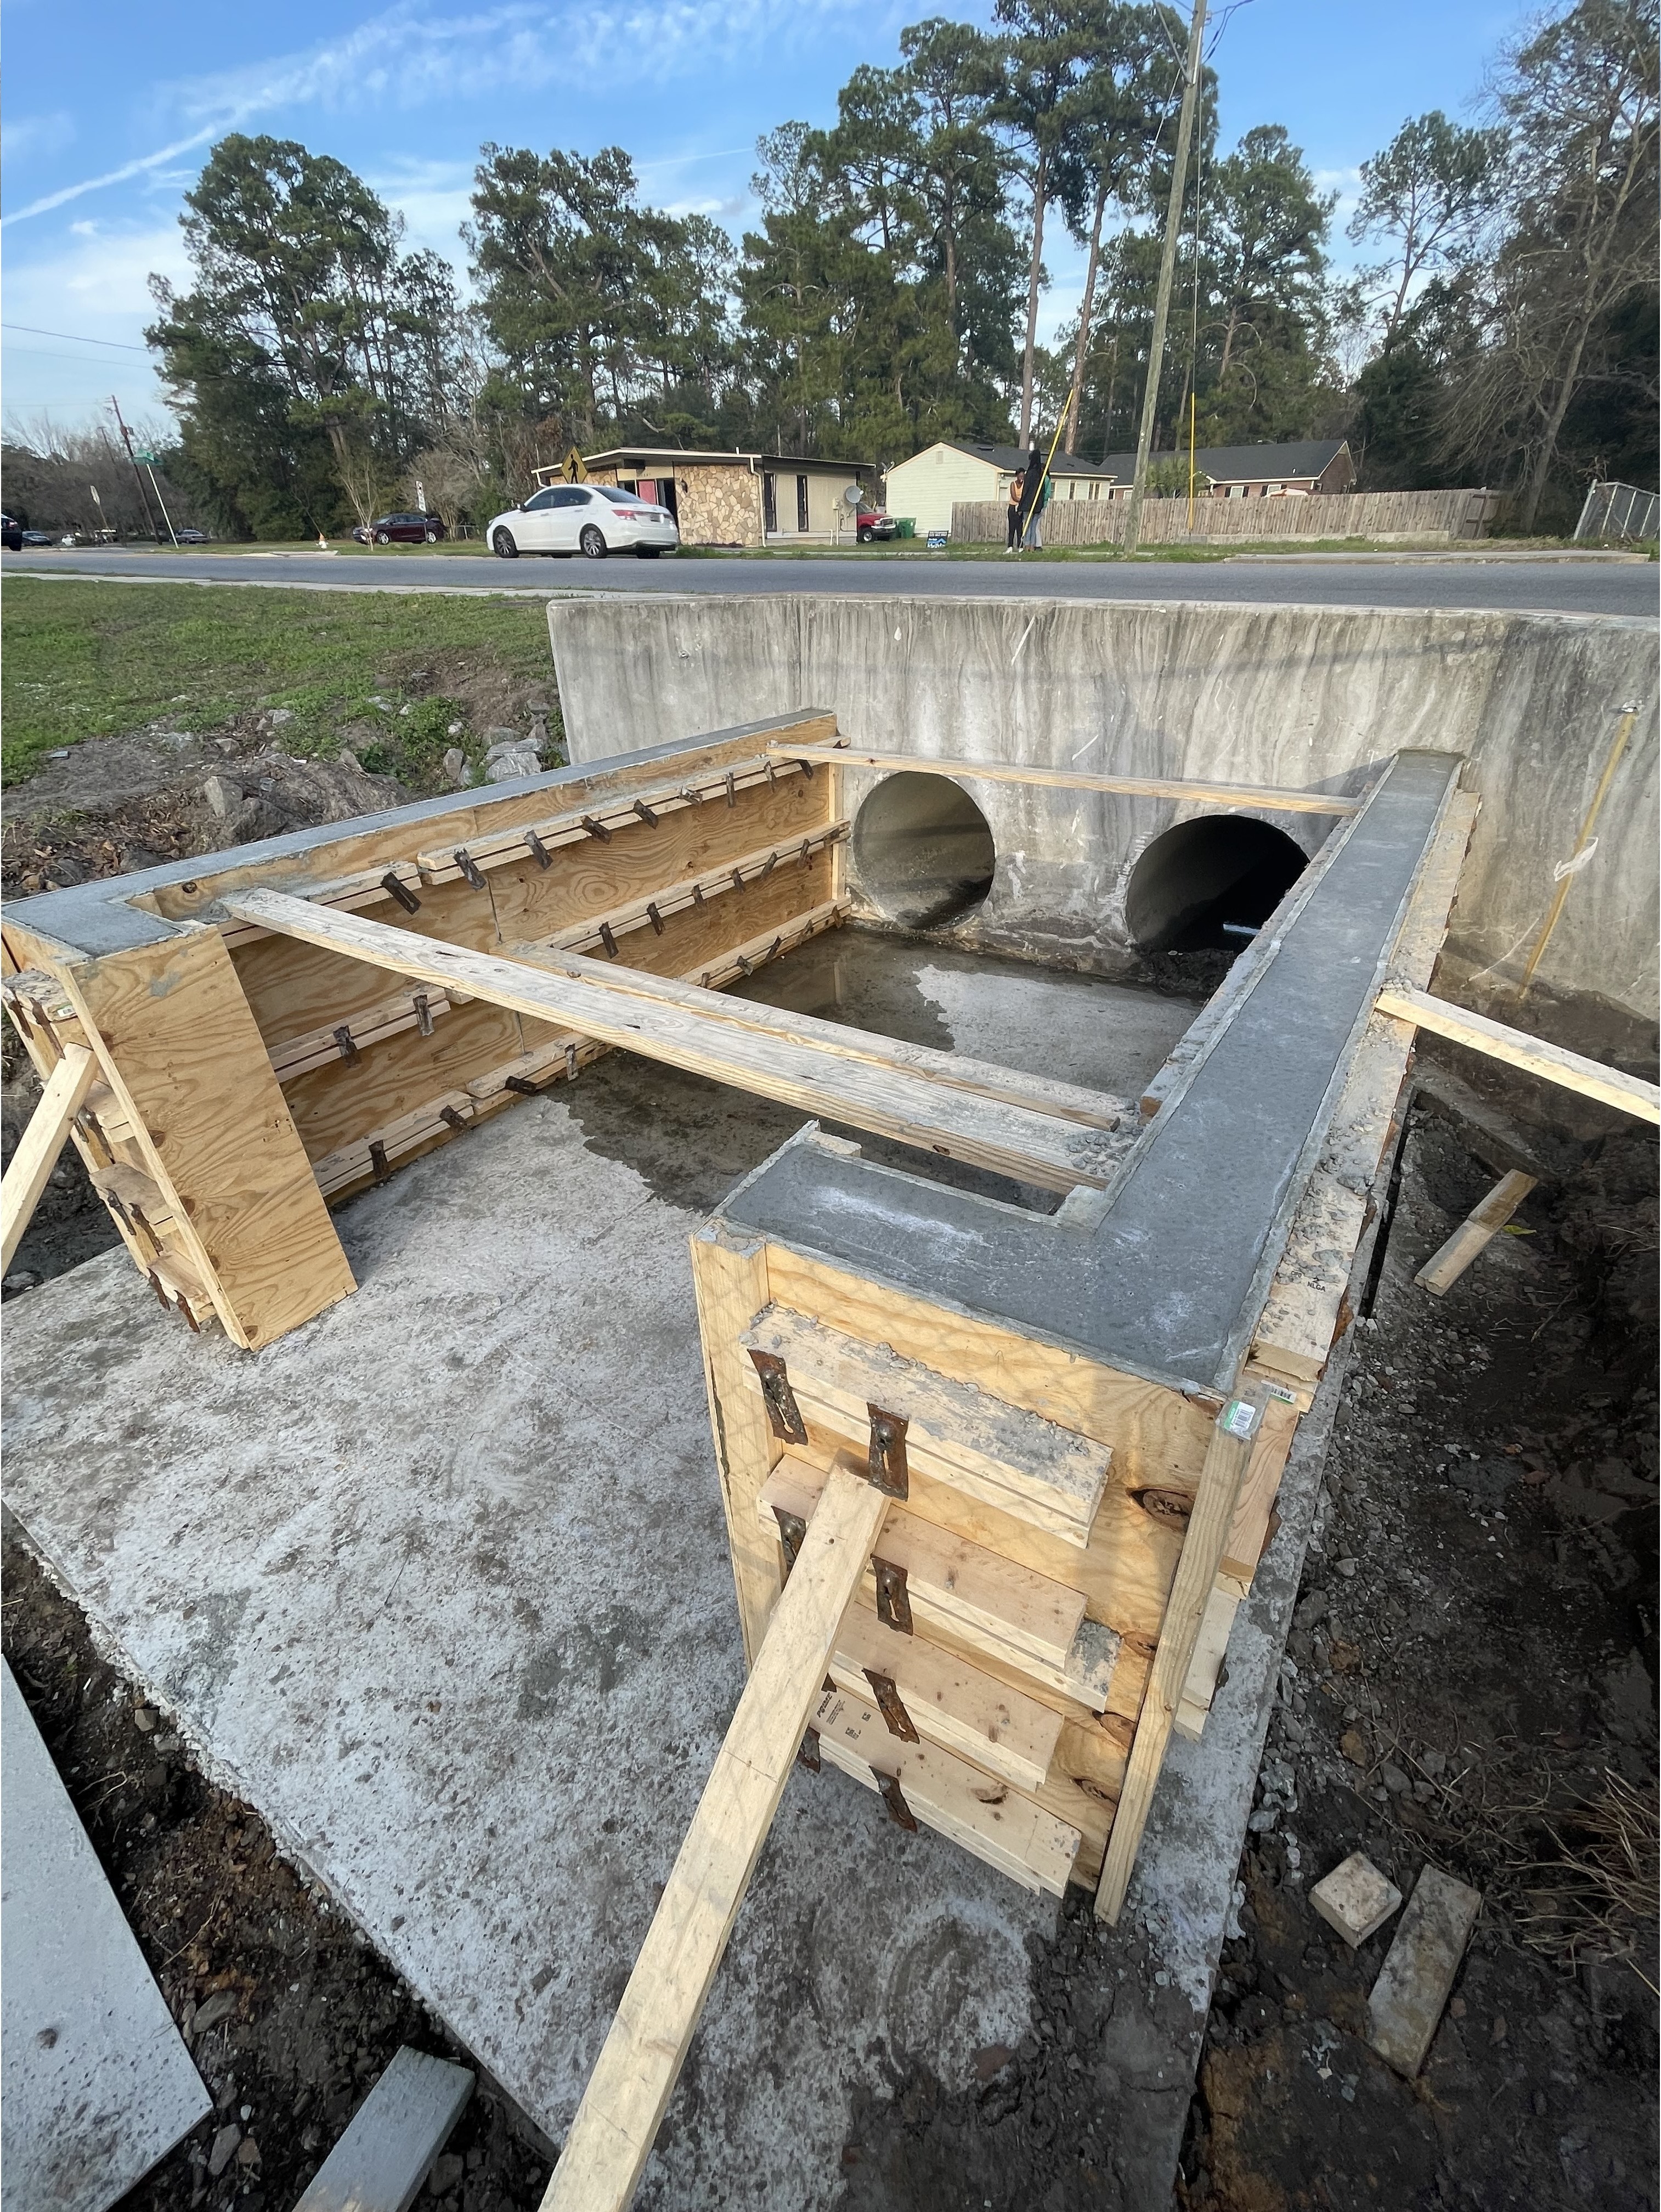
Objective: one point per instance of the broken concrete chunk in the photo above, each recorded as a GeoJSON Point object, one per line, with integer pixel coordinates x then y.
{"type": "Point", "coordinates": [1405, 2007]}
{"type": "Point", "coordinates": [1355, 1899]}
{"type": "Point", "coordinates": [223, 795]}
{"type": "Point", "coordinates": [224, 2149]}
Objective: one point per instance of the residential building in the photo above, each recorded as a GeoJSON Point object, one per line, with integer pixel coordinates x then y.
{"type": "Point", "coordinates": [737, 499]}
{"type": "Point", "coordinates": [927, 486]}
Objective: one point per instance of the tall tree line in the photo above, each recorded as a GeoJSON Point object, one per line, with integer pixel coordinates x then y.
{"type": "Point", "coordinates": [891, 290]}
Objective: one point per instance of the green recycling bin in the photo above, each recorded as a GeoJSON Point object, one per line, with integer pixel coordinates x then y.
{"type": "Point", "coordinates": [905, 525]}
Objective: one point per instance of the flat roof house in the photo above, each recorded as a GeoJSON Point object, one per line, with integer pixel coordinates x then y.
{"type": "Point", "coordinates": [928, 484]}
{"type": "Point", "coordinates": [736, 499]}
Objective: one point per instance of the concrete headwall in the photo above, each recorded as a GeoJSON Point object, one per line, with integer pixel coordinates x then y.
{"type": "Point", "coordinates": [1309, 697]}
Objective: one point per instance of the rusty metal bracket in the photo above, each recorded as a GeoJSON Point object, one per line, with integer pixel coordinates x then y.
{"type": "Point", "coordinates": [894, 1799]}
{"type": "Point", "coordinates": [772, 773]}
{"type": "Point", "coordinates": [792, 1535]}
{"type": "Point", "coordinates": [395, 887]}
{"type": "Point", "coordinates": [894, 1605]}
{"type": "Point", "coordinates": [885, 1460]}
{"type": "Point", "coordinates": [607, 940]}
{"type": "Point", "coordinates": [423, 1014]}
{"type": "Point", "coordinates": [804, 859]}
{"type": "Point", "coordinates": [571, 1063]}
{"type": "Point", "coordinates": [654, 918]}
{"type": "Point", "coordinates": [646, 814]}
{"type": "Point", "coordinates": [377, 1160]}
{"type": "Point", "coordinates": [698, 898]}
{"type": "Point", "coordinates": [738, 879]}
{"type": "Point", "coordinates": [539, 852]}
{"type": "Point", "coordinates": [596, 828]}
{"type": "Point", "coordinates": [469, 868]}
{"type": "Point", "coordinates": [347, 1042]}
{"type": "Point", "coordinates": [784, 1414]}
{"type": "Point", "coordinates": [808, 1755]}
{"type": "Point", "coordinates": [452, 1119]}
{"type": "Point", "coordinates": [518, 1083]}
{"type": "Point", "coordinates": [892, 1707]}
{"type": "Point", "coordinates": [732, 790]}
{"type": "Point", "coordinates": [806, 767]}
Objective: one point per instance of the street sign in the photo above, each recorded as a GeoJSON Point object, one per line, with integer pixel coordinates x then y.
{"type": "Point", "coordinates": [150, 460]}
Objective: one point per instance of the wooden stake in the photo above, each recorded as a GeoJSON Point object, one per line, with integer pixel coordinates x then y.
{"type": "Point", "coordinates": [1480, 1227]}
{"type": "Point", "coordinates": [41, 1142]}
{"type": "Point", "coordinates": [629, 2089]}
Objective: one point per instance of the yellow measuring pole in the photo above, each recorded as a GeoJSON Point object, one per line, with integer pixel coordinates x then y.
{"type": "Point", "coordinates": [1623, 731]}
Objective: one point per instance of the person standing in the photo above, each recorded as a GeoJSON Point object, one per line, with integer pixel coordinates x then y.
{"type": "Point", "coordinates": [1012, 523]}
{"type": "Point", "coordinates": [1034, 538]}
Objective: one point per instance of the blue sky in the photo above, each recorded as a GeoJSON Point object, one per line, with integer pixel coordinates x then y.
{"type": "Point", "coordinates": [110, 109]}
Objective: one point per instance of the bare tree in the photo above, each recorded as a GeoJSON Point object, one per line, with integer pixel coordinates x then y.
{"type": "Point", "coordinates": [1579, 101]}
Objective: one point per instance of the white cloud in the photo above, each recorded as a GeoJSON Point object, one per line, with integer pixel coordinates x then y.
{"type": "Point", "coordinates": [27, 135]}
{"type": "Point", "coordinates": [407, 57]}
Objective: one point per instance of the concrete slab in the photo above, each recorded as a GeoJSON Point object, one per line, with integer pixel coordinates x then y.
{"type": "Point", "coordinates": [98, 2085]}
{"type": "Point", "coordinates": [440, 1584]}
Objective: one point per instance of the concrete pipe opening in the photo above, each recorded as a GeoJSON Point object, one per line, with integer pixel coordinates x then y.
{"type": "Point", "coordinates": [922, 851]}
{"type": "Point", "coordinates": [1210, 884]}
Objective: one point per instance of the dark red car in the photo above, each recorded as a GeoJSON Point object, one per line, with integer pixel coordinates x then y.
{"type": "Point", "coordinates": [874, 522]}
{"type": "Point", "coordinates": [401, 530]}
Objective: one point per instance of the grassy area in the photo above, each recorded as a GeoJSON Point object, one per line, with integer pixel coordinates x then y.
{"type": "Point", "coordinates": [83, 661]}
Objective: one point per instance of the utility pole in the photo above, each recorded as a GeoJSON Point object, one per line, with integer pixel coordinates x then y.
{"type": "Point", "coordinates": [1167, 267]}
{"type": "Point", "coordinates": [127, 441]}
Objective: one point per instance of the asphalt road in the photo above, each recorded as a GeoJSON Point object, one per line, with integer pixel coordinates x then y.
{"type": "Point", "coordinates": [1584, 586]}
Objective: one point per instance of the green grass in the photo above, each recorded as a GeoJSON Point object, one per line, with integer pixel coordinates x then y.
{"type": "Point", "coordinates": [80, 660]}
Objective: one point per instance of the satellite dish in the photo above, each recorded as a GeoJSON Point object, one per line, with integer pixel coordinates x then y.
{"type": "Point", "coordinates": [852, 496]}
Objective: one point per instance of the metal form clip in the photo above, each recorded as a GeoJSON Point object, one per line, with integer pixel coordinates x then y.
{"type": "Point", "coordinates": [894, 1799]}
{"type": "Point", "coordinates": [890, 1704]}
{"type": "Point", "coordinates": [768, 866]}
{"type": "Point", "coordinates": [607, 940]}
{"type": "Point", "coordinates": [596, 828]}
{"type": "Point", "coordinates": [737, 880]}
{"type": "Point", "coordinates": [377, 1160]}
{"type": "Point", "coordinates": [692, 795]}
{"type": "Point", "coordinates": [732, 790]}
{"type": "Point", "coordinates": [423, 1014]}
{"type": "Point", "coordinates": [469, 867]}
{"type": "Point", "coordinates": [518, 1083]}
{"type": "Point", "coordinates": [698, 898]}
{"type": "Point", "coordinates": [395, 887]}
{"type": "Point", "coordinates": [792, 1535]}
{"type": "Point", "coordinates": [646, 814]}
{"type": "Point", "coordinates": [893, 1606]}
{"type": "Point", "coordinates": [539, 852]}
{"type": "Point", "coordinates": [654, 918]}
{"type": "Point", "coordinates": [885, 1460]}
{"type": "Point", "coordinates": [784, 1414]}
{"type": "Point", "coordinates": [806, 767]}
{"type": "Point", "coordinates": [805, 857]}
{"type": "Point", "coordinates": [347, 1043]}
{"type": "Point", "coordinates": [808, 1755]}
{"type": "Point", "coordinates": [452, 1119]}
{"type": "Point", "coordinates": [571, 1063]}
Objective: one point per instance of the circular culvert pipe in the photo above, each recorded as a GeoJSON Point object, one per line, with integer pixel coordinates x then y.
{"type": "Point", "coordinates": [1210, 884]}
{"type": "Point", "coordinates": [923, 851]}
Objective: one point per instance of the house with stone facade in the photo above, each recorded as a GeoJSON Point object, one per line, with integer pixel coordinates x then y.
{"type": "Point", "coordinates": [737, 499]}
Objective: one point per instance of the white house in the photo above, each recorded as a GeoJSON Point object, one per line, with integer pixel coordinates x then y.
{"type": "Point", "coordinates": [925, 486]}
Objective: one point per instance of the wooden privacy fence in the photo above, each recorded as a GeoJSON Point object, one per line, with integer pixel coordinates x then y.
{"type": "Point", "coordinates": [1449, 515]}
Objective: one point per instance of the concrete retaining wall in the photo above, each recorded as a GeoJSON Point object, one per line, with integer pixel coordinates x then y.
{"type": "Point", "coordinates": [1296, 696]}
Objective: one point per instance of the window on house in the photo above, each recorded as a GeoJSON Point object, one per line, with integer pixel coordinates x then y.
{"type": "Point", "coordinates": [769, 504]}
{"type": "Point", "coordinates": [801, 502]}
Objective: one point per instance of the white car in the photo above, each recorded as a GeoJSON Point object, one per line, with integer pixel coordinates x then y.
{"type": "Point", "coordinates": [590, 518]}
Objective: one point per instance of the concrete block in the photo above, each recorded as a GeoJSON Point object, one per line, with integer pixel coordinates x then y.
{"type": "Point", "coordinates": [1355, 1899]}
{"type": "Point", "coordinates": [1405, 2007]}
{"type": "Point", "coordinates": [395, 2135]}
{"type": "Point", "coordinates": [97, 2083]}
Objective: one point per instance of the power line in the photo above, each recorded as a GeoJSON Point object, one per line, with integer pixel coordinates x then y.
{"type": "Point", "coordinates": [74, 337]}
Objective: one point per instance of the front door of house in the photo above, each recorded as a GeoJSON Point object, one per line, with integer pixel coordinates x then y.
{"type": "Point", "coordinates": [769, 503]}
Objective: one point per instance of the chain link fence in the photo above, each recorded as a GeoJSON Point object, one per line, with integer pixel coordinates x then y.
{"type": "Point", "coordinates": [1618, 510]}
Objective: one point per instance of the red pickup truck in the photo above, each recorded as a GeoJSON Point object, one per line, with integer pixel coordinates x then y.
{"type": "Point", "coordinates": [874, 522]}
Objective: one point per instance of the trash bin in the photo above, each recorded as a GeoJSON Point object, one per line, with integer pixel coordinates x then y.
{"type": "Point", "coordinates": [905, 525]}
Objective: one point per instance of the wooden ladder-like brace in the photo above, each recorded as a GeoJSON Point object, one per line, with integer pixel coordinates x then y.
{"type": "Point", "coordinates": [42, 1142]}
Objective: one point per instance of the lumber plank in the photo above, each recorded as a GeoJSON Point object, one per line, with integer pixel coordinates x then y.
{"type": "Point", "coordinates": [1190, 1591]}
{"type": "Point", "coordinates": [1068, 1101]}
{"type": "Point", "coordinates": [1630, 1094]}
{"type": "Point", "coordinates": [797, 857]}
{"type": "Point", "coordinates": [629, 2088]}
{"type": "Point", "coordinates": [730, 1284]}
{"type": "Point", "coordinates": [322, 1046]}
{"type": "Point", "coordinates": [957, 1432]}
{"type": "Point", "coordinates": [387, 2151]}
{"type": "Point", "coordinates": [979, 1812]}
{"type": "Point", "coordinates": [1210, 1648]}
{"type": "Point", "coordinates": [1012, 1140]}
{"type": "Point", "coordinates": [38, 1148]}
{"type": "Point", "coordinates": [1300, 1316]}
{"type": "Point", "coordinates": [952, 1702]}
{"type": "Point", "coordinates": [181, 1052]}
{"type": "Point", "coordinates": [1478, 1230]}
{"type": "Point", "coordinates": [987, 1602]}
{"type": "Point", "coordinates": [1271, 798]}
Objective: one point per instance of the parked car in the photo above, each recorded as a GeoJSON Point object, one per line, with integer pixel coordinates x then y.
{"type": "Point", "coordinates": [39, 538]}
{"type": "Point", "coordinates": [592, 519]}
{"type": "Point", "coordinates": [11, 533]}
{"type": "Point", "coordinates": [401, 530]}
{"type": "Point", "coordinates": [874, 522]}
{"type": "Point", "coordinates": [192, 537]}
